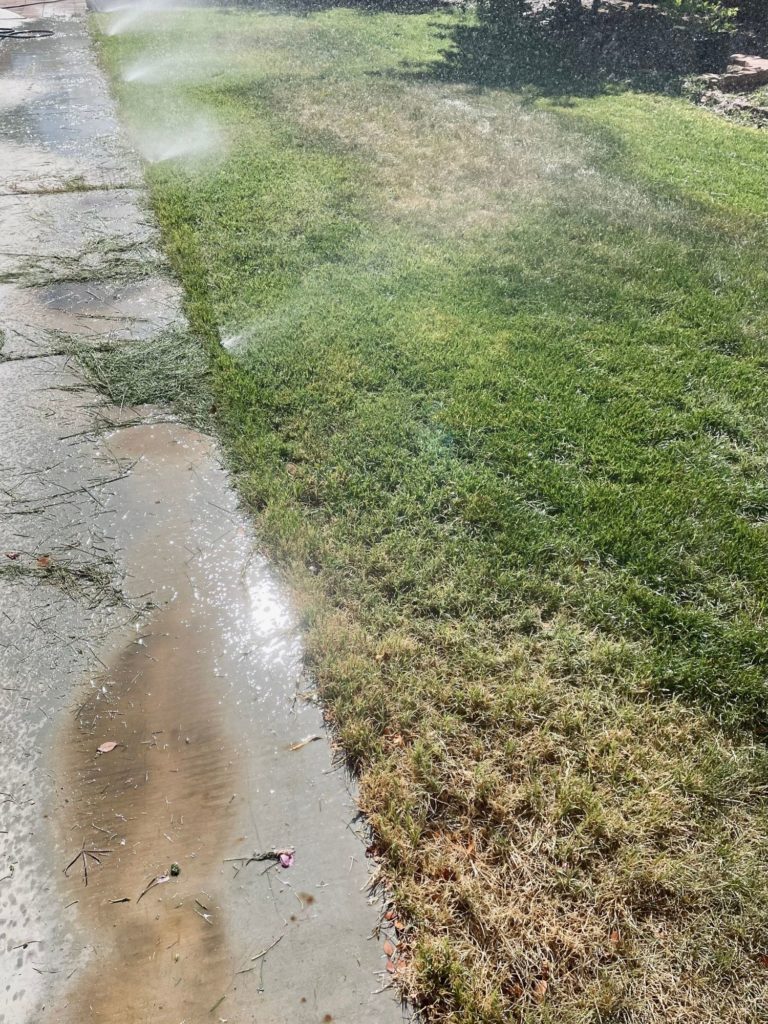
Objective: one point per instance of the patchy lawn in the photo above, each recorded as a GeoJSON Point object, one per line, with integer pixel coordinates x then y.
{"type": "Point", "coordinates": [494, 388]}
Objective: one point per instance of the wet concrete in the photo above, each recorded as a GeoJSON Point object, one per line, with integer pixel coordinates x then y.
{"type": "Point", "coordinates": [57, 122]}
{"type": "Point", "coordinates": [43, 320]}
{"type": "Point", "coordinates": [75, 236]}
{"type": "Point", "coordinates": [79, 252]}
{"type": "Point", "coordinates": [51, 470]}
{"type": "Point", "coordinates": [136, 610]}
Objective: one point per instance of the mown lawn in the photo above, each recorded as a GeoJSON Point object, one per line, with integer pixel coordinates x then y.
{"type": "Point", "coordinates": [494, 388]}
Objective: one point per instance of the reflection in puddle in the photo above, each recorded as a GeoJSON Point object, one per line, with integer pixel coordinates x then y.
{"type": "Point", "coordinates": [208, 759]}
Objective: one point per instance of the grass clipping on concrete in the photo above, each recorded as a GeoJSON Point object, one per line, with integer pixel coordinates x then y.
{"type": "Point", "coordinates": [172, 369]}
{"type": "Point", "coordinates": [494, 388]}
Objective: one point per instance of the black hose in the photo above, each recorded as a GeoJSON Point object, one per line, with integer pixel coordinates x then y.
{"type": "Point", "coordinates": [24, 33]}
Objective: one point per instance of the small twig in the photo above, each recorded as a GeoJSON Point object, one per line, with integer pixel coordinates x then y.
{"type": "Point", "coordinates": [84, 855]}
{"type": "Point", "coordinates": [157, 880]}
{"type": "Point", "coordinates": [265, 951]}
{"type": "Point", "coordinates": [104, 830]}
{"type": "Point", "coordinates": [274, 855]}
{"type": "Point", "coordinates": [217, 1004]}
{"type": "Point", "coordinates": [305, 742]}
{"type": "Point", "coordinates": [378, 991]}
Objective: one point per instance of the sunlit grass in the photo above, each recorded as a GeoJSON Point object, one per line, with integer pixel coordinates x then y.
{"type": "Point", "coordinates": [497, 400]}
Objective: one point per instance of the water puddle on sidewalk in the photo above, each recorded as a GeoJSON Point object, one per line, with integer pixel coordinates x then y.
{"type": "Point", "coordinates": [201, 700]}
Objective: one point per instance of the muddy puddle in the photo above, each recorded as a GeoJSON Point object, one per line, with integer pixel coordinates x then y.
{"type": "Point", "coordinates": [202, 697]}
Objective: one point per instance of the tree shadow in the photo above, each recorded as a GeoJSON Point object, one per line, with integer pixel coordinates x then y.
{"type": "Point", "coordinates": [623, 47]}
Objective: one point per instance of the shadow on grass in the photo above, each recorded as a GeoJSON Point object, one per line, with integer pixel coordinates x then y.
{"type": "Point", "coordinates": [556, 55]}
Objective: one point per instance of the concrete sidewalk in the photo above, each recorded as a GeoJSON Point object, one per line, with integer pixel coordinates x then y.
{"type": "Point", "coordinates": [135, 611]}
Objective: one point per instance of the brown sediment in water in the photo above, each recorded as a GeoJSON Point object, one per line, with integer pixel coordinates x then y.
{"type": "Point", "coordinates": [165, 794]}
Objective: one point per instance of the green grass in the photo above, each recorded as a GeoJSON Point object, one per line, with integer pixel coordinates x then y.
{"type": "Point", "coordinates": [495, 392]}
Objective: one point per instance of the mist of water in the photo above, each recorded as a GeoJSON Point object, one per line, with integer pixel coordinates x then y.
{"type": "Point", "coordinates": [133, 16]}
{"type": "Point", "coordinates": [182, 68]}
{"type": "Point", "coordinates": [198, 138]}
{"type": "Point", "coordinates": [143, 72]}
{"type": "Point", "coordinates": [190, 135]}
{"type": "Point", "coordinates": [232, 342]}
{"type": "Point", "coordinates": [128, 18]}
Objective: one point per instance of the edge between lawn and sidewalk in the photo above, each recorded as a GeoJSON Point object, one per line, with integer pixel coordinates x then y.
{"type": "Point", "coordinates": [503, 435]}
